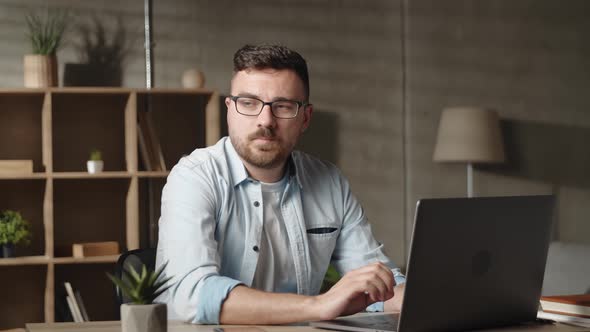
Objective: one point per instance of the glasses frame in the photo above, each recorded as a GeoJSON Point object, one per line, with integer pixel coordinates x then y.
{"type": "Point", "coordinates": [264, 103]}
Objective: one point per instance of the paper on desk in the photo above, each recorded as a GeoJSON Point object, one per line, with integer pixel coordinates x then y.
{"type": "Point", "coordinates": [572, 320]}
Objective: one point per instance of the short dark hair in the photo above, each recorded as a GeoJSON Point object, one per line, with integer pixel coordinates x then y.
{"type": "Point", "coordinates": [272, 56]}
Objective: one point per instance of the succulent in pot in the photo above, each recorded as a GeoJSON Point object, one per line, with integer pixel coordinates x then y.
{"type": "Point", "coordinates": [142, 288]}
{"type": "Point", "coordinates": [95, 163]}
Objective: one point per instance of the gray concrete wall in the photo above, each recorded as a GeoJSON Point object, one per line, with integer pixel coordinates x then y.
{"type": "Point", "coordinates": [529, 60]}
{"type": "Point", "coordinates": [381, 71]}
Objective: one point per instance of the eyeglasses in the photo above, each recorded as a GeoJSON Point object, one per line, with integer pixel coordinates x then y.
{"type": "Point", "coordinates": [282, 109]}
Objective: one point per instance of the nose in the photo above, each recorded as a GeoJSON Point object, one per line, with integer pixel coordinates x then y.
{"type": "Point", "coordinates": [265, 118]}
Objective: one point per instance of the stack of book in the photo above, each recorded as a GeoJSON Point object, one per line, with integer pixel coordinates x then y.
{"type": "Point", "coordinates": [75, 304]}
{"type": "Point", "coordinates": [569, 309]}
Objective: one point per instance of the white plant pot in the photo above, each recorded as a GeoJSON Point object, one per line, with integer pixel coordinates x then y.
{"type": "Point", "coordinates": [144, 317]}
{"type": "Point", "coordinates": [94, 166]}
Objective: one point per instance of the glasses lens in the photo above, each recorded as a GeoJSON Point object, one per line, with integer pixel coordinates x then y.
{"type": "Point", "coordinates": [248, 106]}
{"type": "Point", "coordinates": [285, 109]}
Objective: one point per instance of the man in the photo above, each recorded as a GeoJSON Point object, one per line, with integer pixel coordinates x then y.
{"type": "Point", "coordinates": [249, 226]}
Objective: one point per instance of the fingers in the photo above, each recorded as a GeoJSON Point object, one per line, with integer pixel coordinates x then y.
{"type": "Point", "coordinates": [355, 291]}
{"type": "Point", "coordinates": [375, 280]}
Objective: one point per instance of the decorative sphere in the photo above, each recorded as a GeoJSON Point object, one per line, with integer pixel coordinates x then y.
{"type": "Point", "coordinates": [193, 79]}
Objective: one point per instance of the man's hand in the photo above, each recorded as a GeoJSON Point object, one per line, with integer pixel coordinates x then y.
{"type": "Point", "coordinates": [355, 291]}
{"type": "Point", "coordinates": [395, 303]}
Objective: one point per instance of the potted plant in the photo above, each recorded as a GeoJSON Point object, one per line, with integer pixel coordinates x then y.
{"type": "Point", "coordinates": [45, 34]}
{"type": "Point", "coordinates": [13, 230]}
{"type": "Point", "coordinates": [95, 163]}
{"type": "Point", "coordinates": [102, 54]}
{"type": "Point", "coordinates": [142, 314]}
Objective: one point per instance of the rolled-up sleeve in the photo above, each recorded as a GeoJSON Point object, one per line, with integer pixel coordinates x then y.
{"type": "Point", "coordinates": [187, 242]}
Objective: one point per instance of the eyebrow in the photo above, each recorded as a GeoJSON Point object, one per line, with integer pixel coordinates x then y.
{"type": "Point", "coordinates": [251, 95]}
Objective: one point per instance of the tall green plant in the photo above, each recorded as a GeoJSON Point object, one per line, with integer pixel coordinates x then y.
{"type": "Point", "coordinates": [46, 32]}
{"type": "Point", "coordinates": [141, 288]}
{"type": "Point", "coordinates": [13, 228]}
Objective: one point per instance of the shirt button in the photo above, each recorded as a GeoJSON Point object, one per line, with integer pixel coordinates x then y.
{"type": "Point", "coordinates": [256, 204]}
{"type": "Point", "coordinates": [255, 248]}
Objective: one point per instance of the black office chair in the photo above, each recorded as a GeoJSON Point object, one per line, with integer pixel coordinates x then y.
{"type": "Point", "coordinates": [136, 258]}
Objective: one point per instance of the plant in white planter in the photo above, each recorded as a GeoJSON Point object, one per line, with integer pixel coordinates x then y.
{"type": "Point", "coordinates": [142, 314]}
{"type": "Point", "coordinates": [13, 230]}
{"type": "Point", "coordinates": [95, 163]}
{"type": "Point", "coordinates": [45, 33]}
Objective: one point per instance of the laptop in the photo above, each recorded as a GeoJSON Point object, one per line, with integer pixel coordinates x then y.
{"type": "Point", "coordinates": [474, 263]}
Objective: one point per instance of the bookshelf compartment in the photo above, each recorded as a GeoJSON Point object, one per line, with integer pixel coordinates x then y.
{"type": "Point", "coordinates": [82, 122]}
{"type": "Point", "coordinates": [179, 122]}
{"type": "Point", "coordinates": [20, 123]}
{"type": "Point", "coordinates": [22, 301]}
{"type": "Point", "coordinates": [150, 196]}
{"type": "Point", "coordinates": [26, 197]}
{"type": "Point", "coordinates": [89, 210]}
{"type": "Point", "coordinates": [96, 290]}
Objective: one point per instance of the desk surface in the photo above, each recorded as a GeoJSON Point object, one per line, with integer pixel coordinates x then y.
{"type": "Point", "coordinates": [173, 326]}
{"type": "Point", "coordinates": [115, 326]}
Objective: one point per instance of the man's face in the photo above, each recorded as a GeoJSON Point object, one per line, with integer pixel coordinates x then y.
{"type": "Point", "coordinates": [264, 141]}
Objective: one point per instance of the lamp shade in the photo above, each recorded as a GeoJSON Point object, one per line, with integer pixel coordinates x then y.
{"type": "Point", "coordinates": [469, 134]}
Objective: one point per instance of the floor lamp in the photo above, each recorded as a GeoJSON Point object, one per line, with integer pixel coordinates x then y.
{"type": "Point", "coordinates": [469, 135]}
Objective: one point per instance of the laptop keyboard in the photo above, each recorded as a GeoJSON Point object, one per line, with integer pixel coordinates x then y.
{"type": "Point", "coordinates": [377, 322]}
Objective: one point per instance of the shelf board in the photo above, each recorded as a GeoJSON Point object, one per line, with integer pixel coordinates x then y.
{"type": "Point", "coordinates": [86, 260]}
{"type": "Point", "coordinates": [153, 174]}
{"type": "Point", "coordinates": [23, 176]}
{"type": "Point", "coordinates": [41, 260]}
{"type": "Point", "coordinates": [25, 260]}
{"type": "Point", "coordinates": [104, 90]}
{"type": "Point", "coordinates": [23, 91]}
{"type": "Point", "coordinates": [86, 175]}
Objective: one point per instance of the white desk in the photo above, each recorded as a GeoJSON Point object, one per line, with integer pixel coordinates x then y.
{"type": "Point", "coordinates": [115, 326]}
{"type": "Point", "coordinates": [173, 326]}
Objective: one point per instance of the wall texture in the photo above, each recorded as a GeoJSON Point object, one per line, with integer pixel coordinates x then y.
{"type": "Point", "coordinates": [381, 71]}
{"type": "Point", "coordinates": [529, 61]}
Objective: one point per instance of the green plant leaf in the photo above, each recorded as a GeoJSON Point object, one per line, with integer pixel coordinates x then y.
{"type": "Point", "coordinates": [132, 273]}
{"type": "Point", "coordinates": [142, 288]}
{"type": "Point", "coordinates": [46, 32]}
{"type": "Point", "coordinates": [13, 228]}
{"type": "Point", "coordinates": [124, 287]}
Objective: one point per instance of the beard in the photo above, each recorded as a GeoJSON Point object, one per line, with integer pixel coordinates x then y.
{"type": "Point", "coordinates": [266, 155]}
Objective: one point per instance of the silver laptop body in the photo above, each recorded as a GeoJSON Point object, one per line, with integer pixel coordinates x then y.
{"type": "Point", "coordinates": [474, 263]}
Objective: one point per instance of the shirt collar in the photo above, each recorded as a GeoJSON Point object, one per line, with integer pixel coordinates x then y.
{"type": "Point", "coordinates": [238, 171]}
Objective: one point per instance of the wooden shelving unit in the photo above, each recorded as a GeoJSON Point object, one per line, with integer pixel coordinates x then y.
{"type": "Point", "coordinates": [56, 128]}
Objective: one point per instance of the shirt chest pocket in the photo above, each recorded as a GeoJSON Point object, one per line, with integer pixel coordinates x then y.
{"type": "Point", "coordinates": [322, 240]}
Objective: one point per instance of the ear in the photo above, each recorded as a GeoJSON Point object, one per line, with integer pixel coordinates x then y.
{"type": "Point", "coordinates": [306, 117]}
{"type": "Point", "coordinates": [228, 102]}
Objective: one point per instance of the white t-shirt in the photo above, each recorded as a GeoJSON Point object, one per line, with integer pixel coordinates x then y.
{"type": "Point", "coordinates": [275, 271]}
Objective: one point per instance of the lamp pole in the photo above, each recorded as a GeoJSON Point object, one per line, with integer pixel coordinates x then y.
{"type": "Point", "coordinates": [149, 83]}
{"type": "Point", "coordinates": [149, 57]}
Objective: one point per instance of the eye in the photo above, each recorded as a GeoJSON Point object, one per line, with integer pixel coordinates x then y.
{"type": "Point", "coordinates": [248, 102]}
{"type": "Point", "coordinates": [284, 106]}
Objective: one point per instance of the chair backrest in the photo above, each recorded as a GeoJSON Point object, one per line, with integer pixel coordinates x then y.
{"type": "Point", "coordinates": [568, 269]}
{"type": "Point", "coordinates": [135, 258]}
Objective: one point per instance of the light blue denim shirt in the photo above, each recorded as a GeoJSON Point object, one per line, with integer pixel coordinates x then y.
{"type": "Point", "coordinates": [211, 224]}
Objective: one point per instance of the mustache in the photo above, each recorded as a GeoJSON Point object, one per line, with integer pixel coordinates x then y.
{"type": "Point", "coordinates": [262, 133]}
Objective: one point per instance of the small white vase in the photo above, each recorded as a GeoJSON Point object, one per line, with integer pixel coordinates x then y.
{"type": "Point", "coordinates": [144, 317]}
{"type": "Point", "coordinates": [94, 166]}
